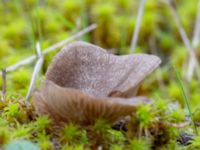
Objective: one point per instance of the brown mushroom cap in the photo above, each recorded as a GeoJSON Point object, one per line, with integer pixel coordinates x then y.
{"type": "Point", "coordinates": [71, 105]}
{"type": "Point", "coordinates": [92, 70]}
{"type": "Point", "coordinates": [81, 79]}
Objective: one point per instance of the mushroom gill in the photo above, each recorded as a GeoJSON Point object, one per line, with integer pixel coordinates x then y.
{"type": "Point", "coordinates": [84, 83]}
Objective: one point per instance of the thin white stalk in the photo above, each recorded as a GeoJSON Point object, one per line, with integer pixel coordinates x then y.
{"type": "Point", "coordinates": [196, 33]}
{"type": "Point", "coordinates": [195, 41]}
{"type": "Point", "coordinates": [3, 85]}
{"type": "Point", "coordinates": [138, 24]}
{"type": "Point", "coordinates": [51, 48]}
{"type": "Point", "coordinates": [36, 71]}
{"type": "Point", "coordinates": [185, 38]}
{"type": "Point", "coordinates": [38, 50]}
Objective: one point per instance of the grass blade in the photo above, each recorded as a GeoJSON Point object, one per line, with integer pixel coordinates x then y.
{"type": "Point", "coordinates": [186, 99]}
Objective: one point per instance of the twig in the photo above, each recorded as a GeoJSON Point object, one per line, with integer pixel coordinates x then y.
{"type": "Point", "coordinates": [51, 48]}
{"type": "Point", "coordinates": [137, 27]}
{"type": "Point", "coordinates": [3, 85]}
{"type": "Point", "coordinates": [184, 36]}
{"type": "Point", "coordinates": [36, 71]}
{"type": "Point", "coordinates": [195, 41]}
{"type": "Point", "coordinates": [178, 125]}
{"type": "Point", "coordinates": [196, 33]}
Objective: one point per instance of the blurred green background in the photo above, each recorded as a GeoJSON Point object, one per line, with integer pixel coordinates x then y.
{"type": "Point", "coordinates": [23, 22]}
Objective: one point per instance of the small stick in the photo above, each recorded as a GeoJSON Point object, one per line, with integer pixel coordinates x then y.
{"type": "Point", "coordinates": [36, 71]}
{"type": "Point", "coordinates": [3, 85]}
{"type": "Point", "coordinates": [195, 41]}
{"type": "Point", "coordinates": [184, 36]}
{"type": "Point", "coordinates": [137, 27]}
{"type": "Point", "coordinates": [178, 125]}
{"type": "Point", "coordinates": [196, 33]}
{"type": "Point", "coordinates": [51, 48]}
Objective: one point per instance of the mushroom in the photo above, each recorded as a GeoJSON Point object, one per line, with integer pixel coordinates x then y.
{"type": "Point", "coordinates": [84, 83]}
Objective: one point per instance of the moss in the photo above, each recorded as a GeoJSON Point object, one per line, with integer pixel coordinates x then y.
{"type": "Point", "coordinates": [30, 3]}
{"type": "Point", "coordinates": [53, 3]}
{"type": "Point", "coordinates": [124, 5]}
{"type": "Point", "coordinates": [44, 142]}
{"type": "Point", "coordinates": [179, 57]}
{"type": "Point", "coordinates": [173, 145]}
{"type": "Point", "coordinates": [140, 144]}
{"type": "Point", "coordinates": [12, 110]}
{"type": "Point", "coordinates": [191, 13]}
{"type": "Point", "coordinates": [77, 147]}
{"type": "Point", "coordinates": [21, 132]}
{"type": "Point", "coordinates": [107, 33]}
{"type": "Point", "coordinates": [161, 106]}
{"type": "Point", "coordinates": [177, 115]}
{"type": "Point", "coordinates": [4, 135]}
{"type": "Point", "coordinates": [148, 19]}
{"type": "Point", "coordinates": [116, 147]}
{"type": "Point", "coordinates": [194, 97]}
{"type": "Point", "coordinates": [167, 42]}
{"type": "Point", "coordinates": [104, 12]}
{"type": "Point", "coordinates": [5, 48]}
{"type": "Point", "coordinates": [38, 22]}
{"type": "Point", "coordinates": [126, 27]}
{"type": "Point", "coordinates": [196, 115]}
{"type": "Point", "coordinates": [11, 59]}
{"type": "Point", "coordinates": [145, 116]}
{"type": "Point", "coordinates": [194, 85]}
{"type": "Point", "coordinates": [72, 135]}
{"type": "Point", "coordinates": [16, 36]}
{"type": "Point", "coordinates": [195, 144]}
{"type": "Point", "coordinates": [175, 93]}
{"type": "Point", "coordinates": [19, 81]}
{"type": "Point", "coordinates": [72, 10]}
{"type": "Point", "coordinates": [53, 27]}
{"type": "Point", "coordinates": [42, 123]}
